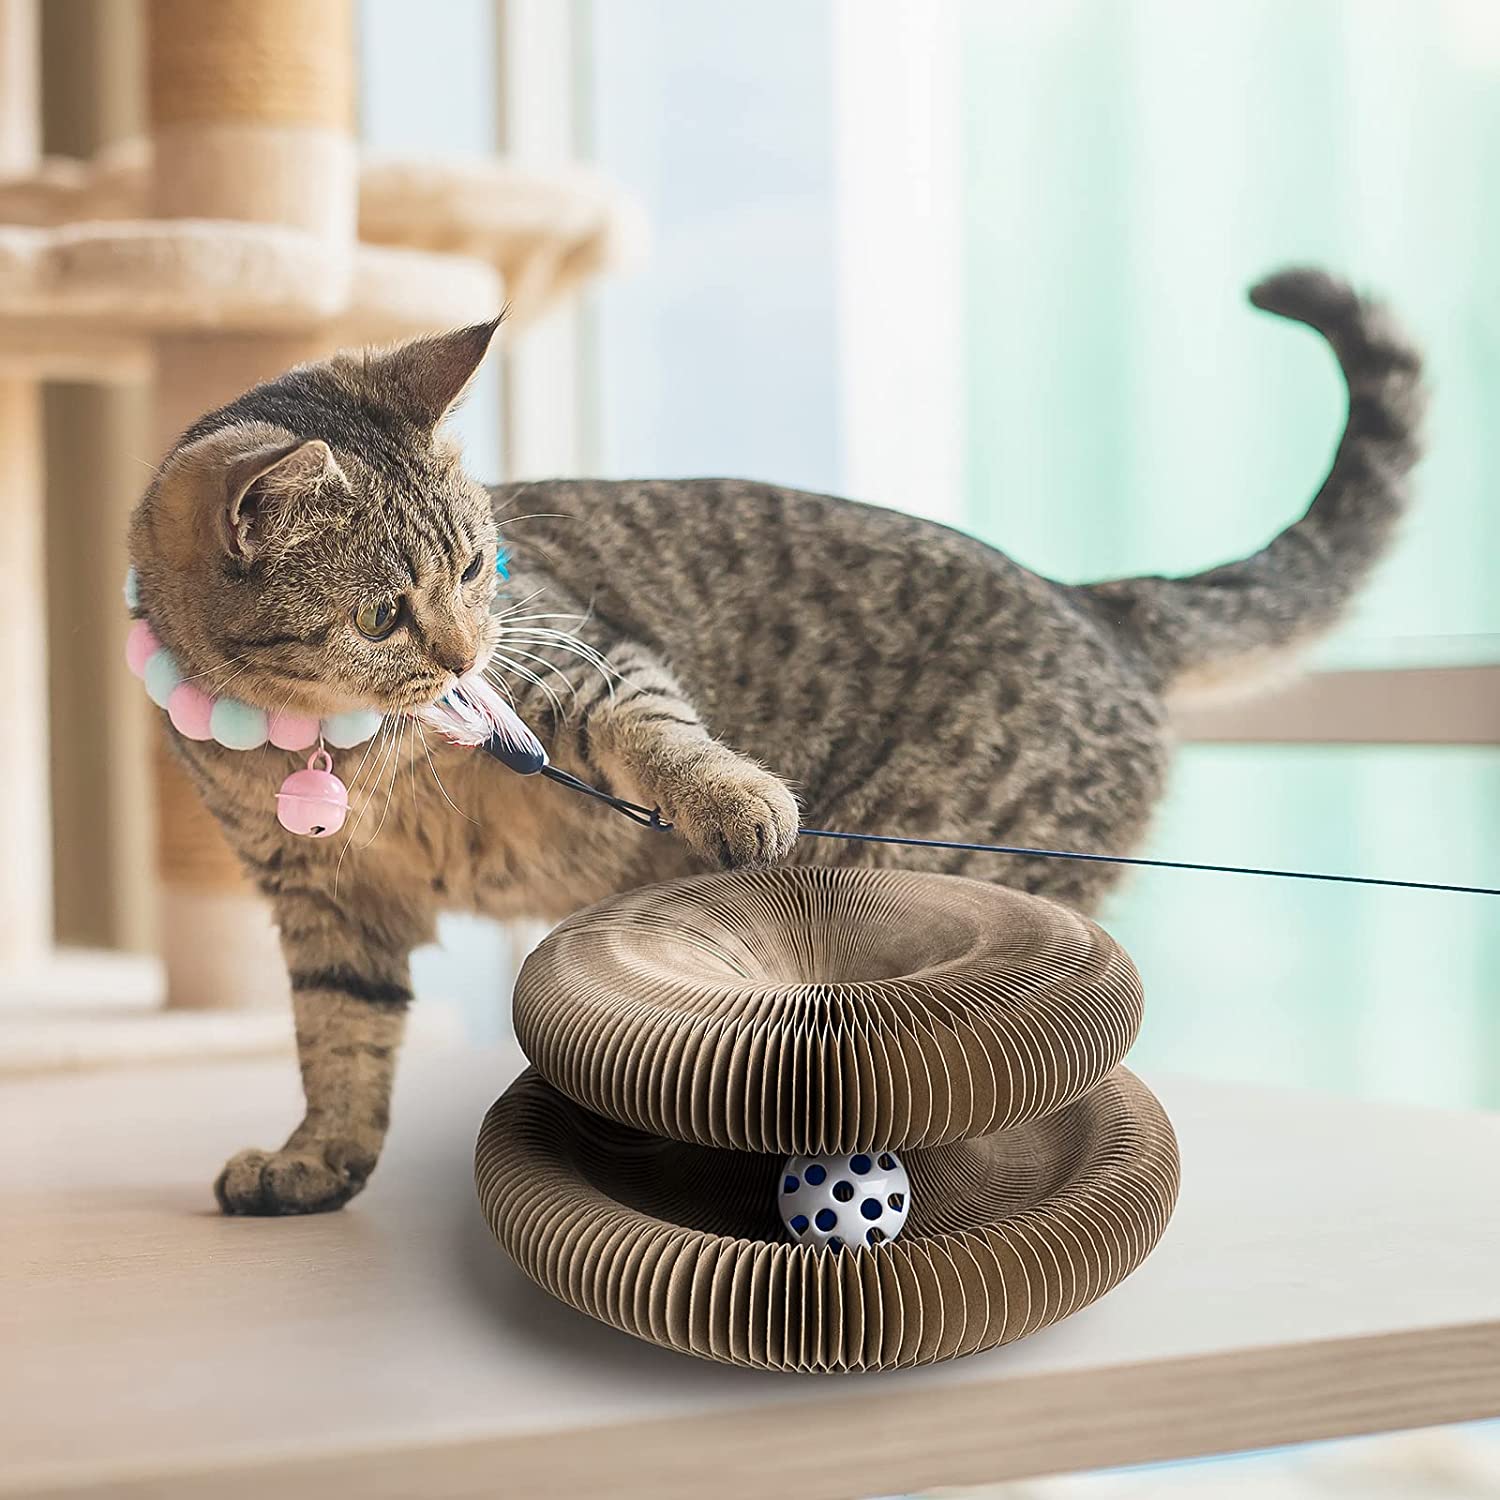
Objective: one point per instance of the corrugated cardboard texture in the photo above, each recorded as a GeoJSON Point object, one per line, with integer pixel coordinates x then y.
{"type": "Point", "coordinates": [679, 1244]}
{"type": "Point", "coordinates": [826, 1010]}
{"type": "Point", "coordinates": [686, 1037]}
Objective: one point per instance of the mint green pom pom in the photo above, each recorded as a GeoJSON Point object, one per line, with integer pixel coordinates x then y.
{"type": "Point", "coordinates": [344, 731]}
{"type": "Point", "coordinates": [132, 589]}
{"type": "Point", "coordinates": [161, 676]}
{"type": "Point", "coordinates": [237, 726]}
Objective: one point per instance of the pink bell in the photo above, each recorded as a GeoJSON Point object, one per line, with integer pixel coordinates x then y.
{"type": "Point", "coordinates": [313, 801]}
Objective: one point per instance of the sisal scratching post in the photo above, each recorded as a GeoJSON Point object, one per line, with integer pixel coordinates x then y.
{"type": "Point", "coordinates": [251, 108]}
{"type": "Point", "coordinates": [216, 253]}
{"type": "Point", "coordinates": [704, 1051]}
{"type": "Point", "coordinates": [26, 871]}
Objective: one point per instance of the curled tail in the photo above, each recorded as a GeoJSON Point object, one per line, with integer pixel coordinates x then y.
{"type": "Point", "coordinates": [1208, 631]}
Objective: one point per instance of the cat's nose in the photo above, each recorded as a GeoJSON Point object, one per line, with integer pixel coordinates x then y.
{"type": "Point", "coordinates": [454, 658]}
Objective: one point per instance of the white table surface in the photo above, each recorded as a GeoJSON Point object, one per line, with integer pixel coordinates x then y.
{"type": "Point", "coordinates": [1331, 1269]}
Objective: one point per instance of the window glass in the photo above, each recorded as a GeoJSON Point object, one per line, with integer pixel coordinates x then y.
{"type": "Point", "coordinates": [1384, 993]}
{"type": "Point", "coordinates": [718, 356]}
{"type": "Point", "coordinates": [1128, 171]}
{"type": "Point", "coordinates": [427, 88]}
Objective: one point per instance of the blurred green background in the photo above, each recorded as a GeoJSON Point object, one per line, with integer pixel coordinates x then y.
{"type": "Point", "coordinates": [1128, 170]}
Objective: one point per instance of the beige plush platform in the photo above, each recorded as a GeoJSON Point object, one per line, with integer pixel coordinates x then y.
{"type": "Point", "coordinates": [191, 275]}
{"type": "Point", "coordinates": [567, 220]}
{"type": "Point", "coordinates": [87, 274]}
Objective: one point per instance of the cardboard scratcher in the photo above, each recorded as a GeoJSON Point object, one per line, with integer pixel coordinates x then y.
{"type": "Point", "coordinates": [686, 1037]}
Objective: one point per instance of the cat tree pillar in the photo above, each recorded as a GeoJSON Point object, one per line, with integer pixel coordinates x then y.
{"type": "Point", "coordinates": [252, 119]}
{"type": "Point", "coordinates": [26, 870]}
{"type": "Point", "coordinates": [242, 237]}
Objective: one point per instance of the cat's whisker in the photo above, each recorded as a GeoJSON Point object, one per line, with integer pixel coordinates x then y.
{"type": "Point", "coordinates": [376, 741]}
{"type": "Point", "coordinates": [516, 604]}
{"type": "Point", "coordinates": [571, 646]}
{"type": "Point", "coordinates": [535, 515]}
{"type": "Point", "coordinates": [551, 666]}
{"type": "Point", "coordinates": [532, 545]}
{"type": "Point", "coordinates": [359, 769]}
{"type": "Point", "coordinates": [385, 521]}
{"type": "Point", "coordinates": [415, 811]}
{"type": "Point", "coordinates": [432, 766]}
{"type": "Point", "coordinates": [389, 756]}
{"type": "Point", "coordinates": [496, 681]}
{"type": "Point", "coordinates": [568, 637]}
{"type": "Point", "coordinates": [366, 794]}
{"type": "Point", "coordinates": [403, 733]}
{"type": "Point", "coordinates": [389, 735]}
{"type": "Point", "coordinates": [564, 640]}
{"type": "Point", "coordinates": [390, 790]}
{"type": "Point", "coordinates": [544, 615]}
{"type": "Point", "coordinates": [358, 815]}
{"type": "Point", "coordinates": [268, 747]}
{"type": "Point", "coordinates": [508, 660]}
{"type": "Point", "coordinates": [222, 666]}
{"type": "Point", "coordinates": [218, 689]}
{"type": "Point", "coordinates": [527, 675]}
{"type": "Point", "coordinates": [505, 659]}
{"type": "Point", "coordinates": [501, 615]}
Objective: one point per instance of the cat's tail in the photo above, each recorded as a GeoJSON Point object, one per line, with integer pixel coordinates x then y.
{"type": "Point", "coordinates": [1229, 627]}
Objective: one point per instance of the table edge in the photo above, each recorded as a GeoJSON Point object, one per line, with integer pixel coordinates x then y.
{"type": "Point", "coordinates": [899, 1440]}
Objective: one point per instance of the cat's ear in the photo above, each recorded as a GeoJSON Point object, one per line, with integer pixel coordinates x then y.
{"type": "Point", "coordinates": [426, 377]}
{"type": "Point", "coordinates": [244, 491]}
{"type": "Point", "coordinates": [264, 487]}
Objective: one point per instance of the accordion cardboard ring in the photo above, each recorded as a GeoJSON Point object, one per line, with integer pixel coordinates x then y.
{"type": "Point", "coordinates": [686, 1038]}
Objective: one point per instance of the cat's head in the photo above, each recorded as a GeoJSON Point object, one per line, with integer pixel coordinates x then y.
{"type": "Point", "coordinates": [316, 544]}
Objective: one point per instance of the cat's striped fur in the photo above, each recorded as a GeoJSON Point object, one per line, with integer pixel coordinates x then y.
{"type": "Point", "coordinates": [885, 672]}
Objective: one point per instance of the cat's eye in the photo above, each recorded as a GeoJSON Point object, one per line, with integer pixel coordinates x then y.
{"type": "Point", "coordinates": [376, 620]}
{"type": "Point", "coordinates": [475, 564]}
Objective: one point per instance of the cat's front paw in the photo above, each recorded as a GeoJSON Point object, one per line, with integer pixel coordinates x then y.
{"type": "Point", "coordinates": [734, 813]}
{"type": "Point", "coordinates": [310, 1179]}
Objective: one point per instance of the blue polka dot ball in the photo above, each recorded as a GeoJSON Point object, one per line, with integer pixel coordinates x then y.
{"type": "Point", "coordinates": [843, 1202]}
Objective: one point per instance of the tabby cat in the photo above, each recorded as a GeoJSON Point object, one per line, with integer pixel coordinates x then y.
{"type": "Point", "coordinates": [771, 655]}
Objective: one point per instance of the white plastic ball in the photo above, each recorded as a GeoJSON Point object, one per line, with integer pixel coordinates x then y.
{"type": "Point", "coordinates": [844, 1201]}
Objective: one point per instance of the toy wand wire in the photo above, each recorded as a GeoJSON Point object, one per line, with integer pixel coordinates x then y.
{"type": "Point", "coordinates": [651, 817]}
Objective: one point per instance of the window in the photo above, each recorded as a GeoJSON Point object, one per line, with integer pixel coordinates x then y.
{"type": "Point", "coordinates": [986, 262]}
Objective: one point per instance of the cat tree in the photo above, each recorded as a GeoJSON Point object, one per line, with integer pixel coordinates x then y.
{"type": "Point", "coordinates": [685, 1039]}
{"type": "Point", "coordinates": [246, 234]}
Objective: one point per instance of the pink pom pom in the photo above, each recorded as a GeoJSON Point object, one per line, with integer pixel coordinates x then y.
{"type": "Point", "coordinates": [191, 710]}
{"type": "Point", "coordinates": [293, 731]}
{"type": "Point", "coordinates": [140, 646]}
